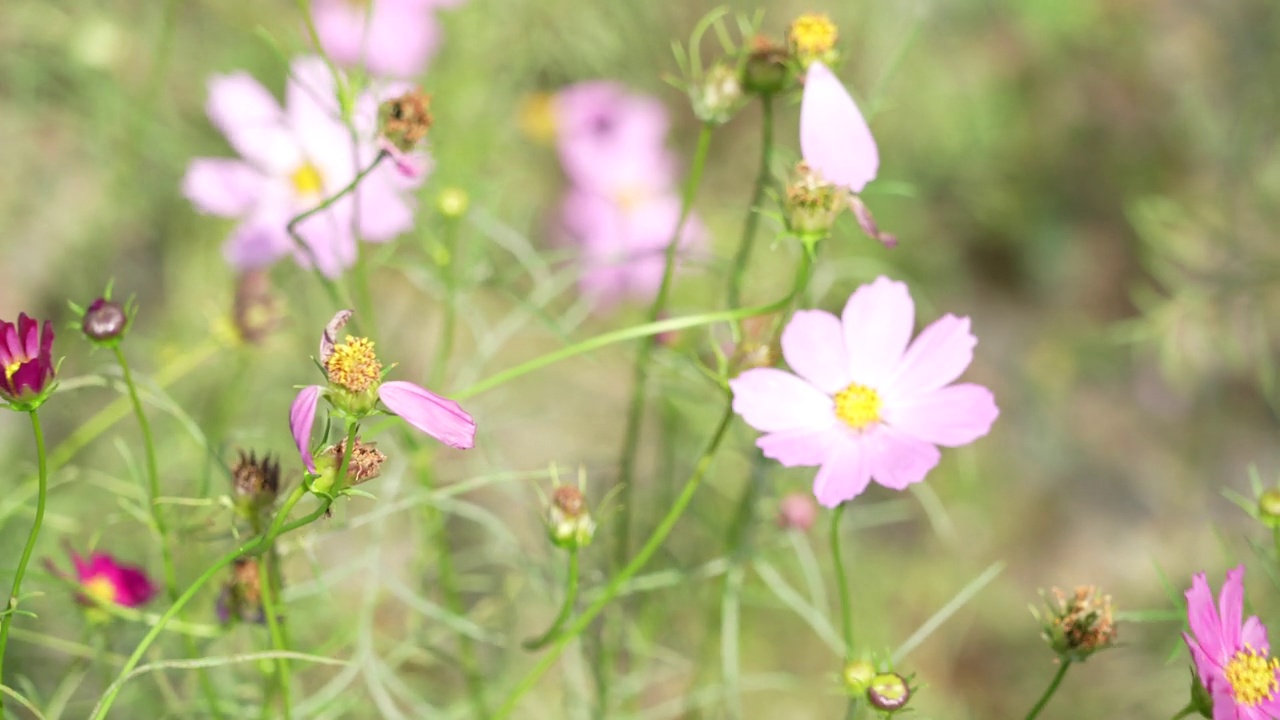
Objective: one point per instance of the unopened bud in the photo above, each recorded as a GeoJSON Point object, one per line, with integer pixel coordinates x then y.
{"type": "Point", "coordinates": [1078, 625]}
{"type": "Point", "coordinates": [105, 322]}
{"type": "Point", "coordinates": [1269, 507]}
{"type": "Point", "coordinates": [765, 72]}
{"type": "Point", "coordinates": [404, 121]}
{"type": "Point", "coordinates": [452, 202]}
{"type": "Point", "coordinates": [812, 204]}
{"type": "Point", "coordinates": [241, 596]}
{"type": "Point", "coordinates": [858, 675]}
{"type": "Point", "coordinates": [811, 37]}
{"type": "Point", "coordinates": [568, 521]}
{"type": "Point", "coordinates": [255, 482]}
{"type": "Point", "coordinates": [797, 512]}
{"type": "Point", "coordinates": [888, 691]}
{"type": "Point", "coordinates": [719, 96]}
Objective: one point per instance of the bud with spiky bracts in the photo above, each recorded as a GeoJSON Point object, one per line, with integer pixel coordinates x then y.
{"type": "Point", "coordinates": [255, 482]}
{"type": "Point", "coordinates": [1078, 625]}
{"type": "Point", "coordinates": [569, 522]}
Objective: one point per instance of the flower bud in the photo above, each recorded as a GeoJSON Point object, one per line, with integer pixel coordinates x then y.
{"type": "Point", "coordinates": [798, 512]}
{"type": "Point", "coordinates": [569, 522]}
{"type": "Point", "coordinates": [105, 322]}
{"type": "Point", "coordinates": [1079, 625]}
{"type": "Point", "coordinates": [812, 204]}
{"type": "Point", "coordinates": [858, 675]}
{"type": "Point", "coordinates": [241, 596]}
{"type": "Point", "coordinates": [811, 37]}
{"type": "Point", "coordinates": [1269, 507]}
{"type": "Point", "coordinates": [404, 121]}
{"type": "Point", "coordinates": [888, 691]}
{"type": "Point", "coordinates": [255, 482]}
{"type": "Point", "coordinates": [452, 202]}
{"type": "Point", "coordinates": [718, 97]}
{"type": "Point", "coordinates": [765, 72]}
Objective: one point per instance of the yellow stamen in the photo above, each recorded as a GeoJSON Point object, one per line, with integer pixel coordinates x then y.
{"type": "Point", "coordinates": [1252, 677]}
{"type": "Point", "coordinates": [101, 588]}
{"type": "Point", "coordinates": [11, 368]}
{"type": "Point", "coordinates": [353, 365]}
{"type": "Point", "coordinates": [858, 406]}
{"type": "Point", "coordinates": [307, 180]}
{"type": "Point", "coordinates": [812, 34]}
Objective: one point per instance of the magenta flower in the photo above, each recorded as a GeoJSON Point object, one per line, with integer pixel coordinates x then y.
{"type": "Point", "coordinates": [26, 358]}
{"type": "Point", "coordinates": [864, 401]}
{"type": "Point", "coordinates": [389, 38]}
{"type": "Point", "coordinates": [107, 580]}
{"type": "Point", "coordinates": [355, 385]}
{"type": "Point", "coordinates": [1233, 659]}
{"type": "Point", "coordinates": [834, 137]}
{"type": "Point", "coordinates": [291, 160]}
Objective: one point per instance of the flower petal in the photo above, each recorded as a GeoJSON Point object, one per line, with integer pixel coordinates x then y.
{"type": "Point", "coordinates": [898, 460]}
{"type": "Point", "coordinates": [939, 354]}
{"type": "Point", "coordinates": [844, 474]}
{"type": "Point", "coordinates": [1202, 616]}
{"type": "Point", "coordinates": [329, 338]}
{"type": "Point", "coordinates": [441, 418]}
{"type": "Point", "coordinates": [813, 346]}
{"type": "Point", "coordinates": [952, 416]}
{"type": "Point", "coordinates": [771, 400]}
{"type": "Point", "coordinates": [302, 415]}
{"type": "Point", "coordinates": [878, 320]}
{"type": "Point", "coordinates": [1231, 607]}
{"type": "Point", "coordinates": [797, 448]}
{"type": "Point", "coordinates": [834, 137]}
{"type": "Point", "coordinates": [1254, 635]}
{"type": "Point", "coordinates": [226, 188]}
{"type": "Point", "coordinates": [252, 122]}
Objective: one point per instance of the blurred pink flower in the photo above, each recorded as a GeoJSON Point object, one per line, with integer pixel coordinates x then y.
{"type": "Point", "coordinates": [291, 160]}
{"type": "Point", "coordinates": [797, 512]}
{"type": "Point", "coordinates": [861, 403]}
{"type": "Point", "coordinates": [834, 137]}
{"type": "Point", "coordinates": [389, 38]}
{"type": "Point", "coordinates": [108, 580]}
{"type": "Point", "coordinates": [1233, 659]}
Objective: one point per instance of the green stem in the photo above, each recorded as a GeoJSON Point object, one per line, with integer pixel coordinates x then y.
{"type": "Point", "coordinates": [450, 271]}
{"type": "Point", "coordinates": [743, 255]}
{"type": "Point", "coordinates": [639, 383]}
{"type": "Point", "coordinates": [1049, 691]}
{"type": "Point", "coordinates": [278, 527]}
{"type": "Point", "coordinates": [157, 518]}
{"type": "Point", "coordinates": [570, 599]}
{"type": "Point", "coordinates": [278, 641]}
{"type": "Point", "coordinates": [12, 606]}
{"type": "Point", "coordinates": [615, 585]}
{"type": "Point", "coordinates": [846, 606]}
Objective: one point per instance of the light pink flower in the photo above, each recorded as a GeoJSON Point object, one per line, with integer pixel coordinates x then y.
{"type": "Point", "coordinates": [390, 38]}
{"type": "Point", "coordinates": [865, 402]}
{"type": "Point", "coordinates": [291, 160]}
{"type": "Point", "coordinates": [613, 142]}
{"type": "Point", "coordinates": [1233, 659]}
{"type": "Point", "coordinates": [834, 137]}
{"type": "Point", "coordinates": [109, 580]}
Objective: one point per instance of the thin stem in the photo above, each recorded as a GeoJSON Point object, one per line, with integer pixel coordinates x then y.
{"type": "Point", "coordinates": [278, 641]}
{"type": "Point", "coordinates": [730, 660]}
{"type": "Point", "coordinates": [450, 321]}
{"type": "Point", "coordinates": [1049, 691]}
{"type": "Point", "coordinates": [566, 609]}
{"type": "Point", "coordinates": [743, 255]}
{"type": "Point", "coordinates": [639, 383]}
{"type": "Point", "coordinates": [11, 607]}
{"type": "Point", "coordinates": [157, 519]}
{"type": "Point", "coordinates": [842, 582]}
{"type": "Point", "coordinates": [278, 527]}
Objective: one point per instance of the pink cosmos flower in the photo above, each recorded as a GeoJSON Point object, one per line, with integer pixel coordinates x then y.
{"type": "Point", "coordinates": [108, 580]}
{"type": "Point", "coordinates": [834, 137]}
{"type": "Point", "coordinates": [355, 379]}
{"type": "Point", "coordinates": [613, 142]}
{"type": "Point", "coordinates": [291, 160]}
{"type": "Point", "coordinates": [863, 401]}
{"type": "Point", "coordinates": [390, 38]}
{"type": "Point", "coordinates": [1233, 659]}
{"type": "Point", "coordinates": [26, 360]}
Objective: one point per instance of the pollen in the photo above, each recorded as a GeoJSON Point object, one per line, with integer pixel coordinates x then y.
{"type": "Point", "coordinates": [858, 406]}
{"type": "Point", "coordinates": [1252, 677]}
{"type": "Point", "coordinates": [11, 368]}
{"type": "Point", "coordinates": [353, 365]}
{"type": "Point", "coordinates": [307, 180]}
{"type": "Point", "coordinates": [100, 588]}
{"type": "Point", "coordinates": [812, 35]}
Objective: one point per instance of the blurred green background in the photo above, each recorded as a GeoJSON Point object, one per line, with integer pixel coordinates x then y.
{"type": "Point", "coordinates": [1097, 184]}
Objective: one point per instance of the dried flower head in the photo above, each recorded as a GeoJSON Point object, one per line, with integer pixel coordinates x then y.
{"type": "Point", "coordinates": [241, 596]}
{"type": "Point", "coordinates": [1080, 624]}
{"type": "Point", "coordinates": [404, 121]}
{"type": "Point", "coordinates": [255, 480]}
{"type": "Point", "coordinates": [365, 463]}
{"type": "Point", "coordinates": [812, 204]}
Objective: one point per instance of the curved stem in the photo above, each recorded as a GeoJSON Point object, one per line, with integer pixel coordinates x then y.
{"type": "Point", "coordinates": [743, 255]}
{"type": "Point", "coordinates": [11, 608]}
{"type": "Point", "coordinates": [570, 599]}
{"type": "Point", "coordinates": [1049, 691]}
{"type": "Point", "coordinates": [270, 580]}
{"type": "Point", "coordinates": [846, 605]}
{"type": "Point", "coordinates": [640, 378]}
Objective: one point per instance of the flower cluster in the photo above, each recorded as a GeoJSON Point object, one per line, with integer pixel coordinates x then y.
{"type": "Point", "coordinates": [622, 208]}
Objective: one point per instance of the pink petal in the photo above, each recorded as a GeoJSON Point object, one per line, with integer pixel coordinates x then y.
{"type": "Point", "coordinates": [441, 418]}
{"type": "Point", "coordinates": [302, 415]}
{"type": "Point", "coordinates": [878, 320]}
{"type": "Point", "coordinates": [939, 354]}
{"type": "Point", "coordinates": [226, 188]}
{"type": "Point", "coordinates": [812, 345]}
{"type": "Point", "coordinates": [1206, 670]}
{"type": "Point", "coordinates": [844, 474]}
{"type": "Point", "coordinates": [1231, 607]}
{"type": "Point", "coordinates": [329, 338]}
{"type": "Point", "coordinates": [771, 400]}
{"type": "Point", "coordinates": [252, 122]}
{"type": "Point", "coordinates": [394, 39]}
{"type": "Point", "coordinates": [953, 416]}
{"type": "Point", "coordinates": [384, 211]}
{"type": "Point", "coordinates": [1254, 635]}
{"type": "Point", "coordinates": [797, 448]}
{"type": "Point", "coordinates": [258, 241]}
{"type": "Point", "coordinates": [898, 460]}
{"type": "Point", "coordinates": [311, 92]}
{"type": "Point", "coordinates": [1206, 626]}
{"type": "Point", "coordinates": [834, 137]}
{"type": "Point", "coordinates": [1226, 708]}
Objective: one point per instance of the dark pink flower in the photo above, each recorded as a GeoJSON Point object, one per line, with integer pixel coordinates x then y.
{"type": "Point", "coordinates": [107, 580]}
{"type": "Point", "coordinates": [864, 401]}
{"type": "Point", "coordinates": [27, 361]}
{"type": "Point", "coordinates": [389, 38]}
{"type": "Point", "coordinates": [1232, 658]}
{"type": "Point", "coordinates": [291, 160]}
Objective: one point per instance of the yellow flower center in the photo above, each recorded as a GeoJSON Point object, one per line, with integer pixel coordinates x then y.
{"type": "Point", "coordinates": [307, 180]}
{"type": "Point", "coordinates": [353, 365]}
{"type": "Point", "coordinates": [1252, 677]}
{"type": "Point", "coordinates": [812, 34]}
{"type": "Point", "coordinates": [101, 588]}
{"type": "Point", "coordinates": [858, 406]}
{"type": "Point", "coordinates": [537, 116]}
{"type": "Point", "coordinates": [11, 368]}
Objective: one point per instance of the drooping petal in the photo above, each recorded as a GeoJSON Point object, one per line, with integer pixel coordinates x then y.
{"type": "Point", "coordinates": [329, 338]}
{"type": "Point", "coordinates": [898, 460]}
{"type": "Point", "coordinates": [252, 122]}
{"type": "Point", "coordinates": [771, 400]}
{"type": "Point", "coordinates": [1231, 607]}
{"type": "Point", "coordinates": [226, 188]}
{"type": "Point", "coordinates": [302, 415]}
{"type": "Point", "coordinates": [878, 320]}
{"type": "Point", "coordinates": [952, 416]}
{"type": "Point", "coordinates": [798, 448]}
{"type": "Point", "coordinates": [834, 137]}
{"type": "Point", "coordinates": [812, 344]}
{"type": "Point", "coordinates": [441, 418]}
{"type": "Point", "coordinates": [844, 474]}
{"type": "Point", "coordinates": [937, 356]}
{"type": "Point", "coordinates": [1202, 616]}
